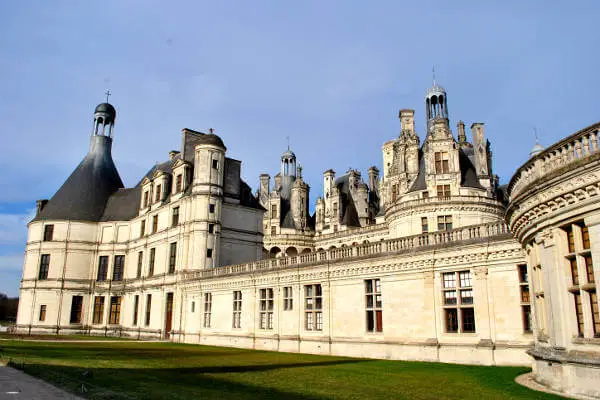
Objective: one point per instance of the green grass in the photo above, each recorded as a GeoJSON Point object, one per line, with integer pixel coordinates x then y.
{"type": "Point", "coordinates": [143, 370]}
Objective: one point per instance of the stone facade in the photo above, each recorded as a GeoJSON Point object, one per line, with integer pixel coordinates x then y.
{"type": "Point", "coordinates": [554, 212]}
{"type": "Point", "coordinates": [416, 264]}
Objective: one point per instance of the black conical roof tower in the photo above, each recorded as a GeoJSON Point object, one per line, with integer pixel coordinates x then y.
{"type": "Point", "coordinates": [84, 194]}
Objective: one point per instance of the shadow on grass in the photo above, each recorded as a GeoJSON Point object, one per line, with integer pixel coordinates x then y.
{"type": "Point", "coordinates": [172, 383]}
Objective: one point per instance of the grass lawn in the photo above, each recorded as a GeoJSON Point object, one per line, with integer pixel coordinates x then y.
{"type": "Point", "coordinates": [144, 370]}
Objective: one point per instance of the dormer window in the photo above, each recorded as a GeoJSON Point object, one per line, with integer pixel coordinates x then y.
{"type": "Point", "coordinates": [158, 195]}
{"type": "Point", "coordinates": [48, 233]}
{"type": "Point", "coordinates": [179, 183]}
{"type": "Point", "coordinates": [441, 162]}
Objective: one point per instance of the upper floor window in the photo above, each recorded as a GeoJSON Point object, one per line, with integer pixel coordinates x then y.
{"type": "Point", "coordinates": [102, 268]}
{"type": "Point", "coordinates": [457, 297]}
{"type": "Point", "coordinates": [443, 191]}
{"type": "Point", "coordinates": [444, 222]}
{"type": "Point", "coordinates": [335, 210]}
{"type": "Point", "coordinates": [158, 194]}
{"type": "Point", "coordinates": [211, 228]}
{"type": "Point", "coordinates": [151, 261]}
{"type": "Point", "coordinates": [424, 225]}
{"type": "Point", "coordinates": [215, 164]}
{"type": "Point", "coordinates": [441, 162]}
{"type": "Point", "coordinates": [118, 268]}
{"type": "Point", "coordinates": [48, 232]}
{"type": "Point", "coordinates": [211, 208]}
{"type": "Point", "coordinates": [142, 228]}
{"type": "Point", "coordinates": [178, 183]}
{"type": "Point", "coordinates": [139, 264]}
{"type": "Point", "coordinates": [273, 211]}
{"type": "Point", "coordinates": [273, 230]}
{"type": "Point", "coordinates": [525, 298]}
{"type": "Point", "coordinates": [154, 224]}
{"type": "Point", "coordinates": [146, 198]}
{"type": "Point", "coordinates": [172, 257]}
{"type": "Point", "coordinates": [44, 266]}
{"type": "Point", "coordinates": [175, 217]}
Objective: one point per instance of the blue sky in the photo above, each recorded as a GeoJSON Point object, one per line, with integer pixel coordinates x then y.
{"type": "Point", "coordinates": [330, 75]}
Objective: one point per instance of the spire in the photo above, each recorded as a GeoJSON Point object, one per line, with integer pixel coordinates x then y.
{"type": "Point", "coordinates": [537, 148]}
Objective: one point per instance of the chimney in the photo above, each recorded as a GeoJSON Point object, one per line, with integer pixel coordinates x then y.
{"type": "Point", "coordinates": [373, 178]}
{"type": "Point", "coordinates": [462, 136]}
{"type": "Point", "coordinates": [173, 154]}
{"type": "Point", "coordinates": [407, 121]}
{"type": "Point", "coordinates": [40, 204]}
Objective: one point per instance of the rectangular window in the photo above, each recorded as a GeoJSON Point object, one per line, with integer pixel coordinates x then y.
{"type": "Point", "coordinates": [457, 297]}
{"type": "Point", "coordinates": [394, 192]}
{"type": "Point", "coordinates": [441, 162]}
{"type": "Point", "coordinates": [273, 230]}
{"type": "Point", "coordinates": [211, 228]}
{"type": "Point", "coordinates": [215, 164]}
{"type": "Point", "coordinates": [193, 306]}
{"type": "Point", "coordinates": [140, 261]}
{"type": "Point", "coordinates": [578, 313]}
{"type": "Point", "coordinates": [178, 183]}
{"type": "Point", "coordinates": [444, 222]}
{"type": "Point", "coordinates": [115, 310]}
{"type": "Point", "coordinates": [574, 271]}
{"type": "Point", "coordinates": [151, 261]}
{"type": "Point", "coordinates": [313, 308]}
{"type": "Point", "coordinates": [48, 233]}
{"type": "Point", "coordinates": [273, 211]}
{"type": "Point", "coordinates": [443, 192]}
{"type": "Point", "coordinates": [266, 308]}
{"type": "Point", "coordinates": [335, 210]}
{"type": "Point", "coordinates": [154, 224]}
{"type": "Point", "coordinates": [585, 238]}
{"type": "Point", "coordinates": [526, 313]}
{"type": "Point", "coordinates": [211, 208]}
{"type": "Point", "coordinates": [158, 194]}
{"type": "Point", "coordinates": [589, 268]}
{"type": "Point", "coordinates": [207, 309]}
{"type": "Point", "coordinates": [42, 312]}
{"type": "Point", "coordinates": [209, 253]}
{"type": "Point", "coordinates": [523, 277]}
{"type": "Point", "coordinates": [118, 268]}
{"type": "Point", "coordinates": [570, 240]}
{"type": "Point", "coordinates": [102, 269]}
{"type": "Point", "coordinates": [44, 266]}
{"type": "Point", "coordinates": [136, 304]}
{"type": "Point", "coordinates": [98, 317]}
{"type": "Point", "coordinates": [424, 225]}
{"type": "Point", "coordinates": [172, 257]}
{"type": "Point", "coordinates": [148, 308]}
{"type": "Point", "coordinates": [288, 301]}
{"type": "Point", "coordinates": [146, 198]}
{"type": "Point", "coordinates": [76, 306]}
{"type": "Point", "coordinates": [374, 306]}
{"type": "Point", "coordinates": [237, 309]}
{"type": "Point", "coordinates": [142, 228]}
{"type": "Point", "coordinates": [175, 217]}
{"type": "Point", "coordinates": [595, 313]}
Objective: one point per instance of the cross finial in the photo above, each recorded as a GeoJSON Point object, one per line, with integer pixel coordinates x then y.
{"type": "Point", "coordinates": [211, 130]}
{"type": "Point", "coordinates": [288, 142]}
{"type": "Point", "coordinates": [433, 72]}
{"type": "Point", "coordinates": [535, 133]}
{"type": "Point", "coordinates": [107, 93]}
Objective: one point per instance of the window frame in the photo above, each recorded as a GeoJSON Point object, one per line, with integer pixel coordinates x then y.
{"type": "Point", "coordinates": [118, 267]}
{"type": "Point", "coordinates": [44, 267]}
{"type": "Point", "coordinates": [237, 309]}
{"type": "Point", "coordinates": [288, 298]}
{"type": "Point", "coordinates": [98, 313]}
{"type": "Point", "coordinates": [206, 318]}
{"type": "Point", "coordinates": [458, 295]}
{"type": "Point", "coordinates": [266, 306]}
{"type": "Point", "coordinates": [313, 307]}
{"type": "Point", "coordinates": [48, 233]}
{"type": "Point", "coordinates": [373, 305]}
{"type": "Point", "coordinates": [172, 257]}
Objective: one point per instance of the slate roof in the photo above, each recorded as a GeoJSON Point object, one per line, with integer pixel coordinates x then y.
{"type": "Point", "coordinates": [84, 194]}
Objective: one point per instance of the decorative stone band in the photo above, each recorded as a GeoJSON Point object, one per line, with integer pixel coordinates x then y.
{"type": "Point", "coordinates": [382, 247]}
{"type": "Point", "coordinates": [474, 202]}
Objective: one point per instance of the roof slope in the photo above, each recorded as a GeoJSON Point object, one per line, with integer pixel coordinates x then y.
{"type": "Point", "coordinates": [84, 194]}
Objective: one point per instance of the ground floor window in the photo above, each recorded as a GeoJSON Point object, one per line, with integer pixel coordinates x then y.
{"type": "Point", "coordinates": [457, 300]}
{"type": "Point", "coordinates": [98, 310]}
{"type": "Point", "coordinates": [148, 308]}
{"type": "Point", "coordinates": [42, 312]}
{"type": "Point", "coordinates": [115, 310]}
{"type": "Point", "coordinates": [237, 309]}
{"type": "Point", "coordinates": [266, 308]}
{"type": "Point", "coordinates": [313, 308]}
{"type": "Point", "coordinates": [288, 301]}
{"type": "Point", "coordinates": [207, 309]}
{"type": "Point", "coordinates": [136, 301]}
{"type": "Point", "coordinates": [373, 305]}
{"type": "Point", "coordinates": [76, 306]}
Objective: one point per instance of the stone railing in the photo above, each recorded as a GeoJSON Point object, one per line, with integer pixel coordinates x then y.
{"type": "Point", "coordinates": [352, 231]}
{"type": "Point", "coordinates": [369, 249]}
{"type": "Point", "coordinates": [580, 145]}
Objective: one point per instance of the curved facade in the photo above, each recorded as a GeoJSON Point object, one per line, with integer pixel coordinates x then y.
{"type": "Point", "coordinates": [554, 212]}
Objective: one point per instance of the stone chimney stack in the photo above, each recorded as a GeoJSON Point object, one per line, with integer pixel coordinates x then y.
{"type": "Point", "coordinates": [373, 179]}
{"type": "Point", "coordinates": [407, 121]}
{"type": "Point", "coordinates": [264, 189]}
{"type": "Point", "coordinates": [462, 136]}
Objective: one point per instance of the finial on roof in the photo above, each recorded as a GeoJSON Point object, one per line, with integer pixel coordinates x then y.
{"type": "Point", "coordinates": [433, 71]}
{"type": "Point", "coordinates": [107, 93]}
{"type": "Point", "coordinates": [537, 148]}
{"type": "Point", "coordinates": [288, 142]}
{"type": "Point", "coordinates": [211, 131]}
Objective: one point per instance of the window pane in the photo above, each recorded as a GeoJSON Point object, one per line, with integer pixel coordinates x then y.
{"type": "Point", "coordinates": [370, 321]}
{"type": "Point", "coordinates": [451, 320]}
{"type": "Point", "coordinates": [449, 280]}
{"type": "Point", "coordinates": [450, 297]}
{"type": "Point", "coordinates": [465, 279]}
{"type": "Point", "coordinates": [468, 319]}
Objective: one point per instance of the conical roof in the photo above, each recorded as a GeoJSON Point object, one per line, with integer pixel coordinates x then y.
{"type": "Point", "coordinates": [85, 193]}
